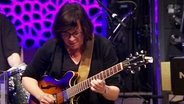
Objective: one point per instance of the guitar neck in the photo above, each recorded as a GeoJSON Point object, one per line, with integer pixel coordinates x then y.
{"type": "Point", "coordinates": [132, 63]}
{"type": "Point", "coordinates": [78, 88]}
{"type": "Point", "coordinates": [55, 87]}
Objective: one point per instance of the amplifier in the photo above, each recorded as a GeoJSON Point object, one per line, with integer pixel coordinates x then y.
{"type": "Point", "coordinates": [177, 75]}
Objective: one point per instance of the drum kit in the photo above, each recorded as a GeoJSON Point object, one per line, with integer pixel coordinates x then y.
{"type": "Point", "coordinates": [16, 92]}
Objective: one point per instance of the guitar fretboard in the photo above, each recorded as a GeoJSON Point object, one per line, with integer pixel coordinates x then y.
{"type": "Point", "coordinates": [102, 75]}
{"type": "Point", "coordinates": [134, 61]}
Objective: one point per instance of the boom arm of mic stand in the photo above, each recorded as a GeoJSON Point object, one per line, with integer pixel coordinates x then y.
{"type": "Point", "coordinates": [113, 15]}
{"type": "Point", "coordinates": [114, 34]}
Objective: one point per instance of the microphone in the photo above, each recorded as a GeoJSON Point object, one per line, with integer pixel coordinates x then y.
{"type": "Point", "coordinates": [118, 26]}
{"type": "Point", "coordinates": [113, 15]}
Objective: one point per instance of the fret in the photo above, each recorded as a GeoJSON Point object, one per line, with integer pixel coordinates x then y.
{"type": "Point", "coordinates": [101, 75]}
{"type": "Point", "coordinates": [108, 72]}
{"type": "Point", "coordinates": [111, 71]}
{"type": "Point", "coordinates": [89, 80]}
{"type": "Point", "coordinates": [78, 88]}
{"type": "Point", "coordinates": [104, 74]}
{"type": "Point", "coordinates": [69, 92]}
{"type": "Point", "coordinates": [95, 77]}
{"type": "Point", "coordinates": [92, 78]}
{"type": "Point", "coordinates": [120, 68]}
{"type": "Point", "coordinates": [84, 86]}
{"type": "Point", "coordinates": [81, 87]}
{"type": "Point", "coordinates": [121, 65]}
{"type": "Point", "coordinates": [73, 90]}
{"type": "Point", "coordinates": [88, 83]}
{"type": "Point", "coordinates": [98, 77]}
{"type": "Point", "coordinates": [115, 68]}
{"type": "Point", "coordinates": [85, 83]}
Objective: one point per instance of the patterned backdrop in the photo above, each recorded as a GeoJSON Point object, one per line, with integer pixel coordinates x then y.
{"type": "Point", "coordinates": [33, 18]}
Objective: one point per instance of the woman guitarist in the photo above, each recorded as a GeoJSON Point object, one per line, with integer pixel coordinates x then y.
{"type": "Point", "coordinates": [51, 77]}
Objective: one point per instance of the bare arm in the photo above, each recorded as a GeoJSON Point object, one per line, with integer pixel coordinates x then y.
{"type": "Point", "coordinates": [111, 92]}
{"type": "Point", "coordinates": [31, 85]}
{"type": "Point", "coordinates": [14, 60]}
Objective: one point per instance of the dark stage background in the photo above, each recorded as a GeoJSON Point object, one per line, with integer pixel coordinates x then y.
{"type": "Point", "coordinates": [33, 21]}
{"type": "Point", "coordinates": [132, 37]}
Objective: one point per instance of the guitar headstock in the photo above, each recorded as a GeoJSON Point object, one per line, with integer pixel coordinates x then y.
{"type": "Point", "coordinates": [137, 60]}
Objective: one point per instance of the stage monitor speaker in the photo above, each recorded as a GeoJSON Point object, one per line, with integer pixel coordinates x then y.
{"type": "Point", "coordinates": [3, 88]}
{"type": "Point", "coordinates": [177, 75]}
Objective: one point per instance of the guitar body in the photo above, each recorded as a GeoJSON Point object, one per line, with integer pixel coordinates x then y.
{"type": "Point", "coordinates": [55, 87]}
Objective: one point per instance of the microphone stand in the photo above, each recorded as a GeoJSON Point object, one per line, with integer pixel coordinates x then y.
{"type": "Point", "coordinates": [120, 21]}
{"type": "Point", "coordinates": [115, 31]}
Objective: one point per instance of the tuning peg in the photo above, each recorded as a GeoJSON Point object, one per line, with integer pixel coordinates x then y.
{"type": "Point", "coordinates": [129, 67]}
{"type": "Point", "coordinates": [132, 72]}
{"type": "Point", "coordinates": [127, 58]}
{"type": "Point", "coordinates": [130, 55]}
{"type": "Point", "coordinates": [137, 53]}
{"type": "Point", "coordinates": [149, 59]}
{"type": "Point", "coordinates": [135, 64]}
{"type": "Point", "coordinates": [142, 51]}
{"type": "Point", "coordinates": [138, 68]}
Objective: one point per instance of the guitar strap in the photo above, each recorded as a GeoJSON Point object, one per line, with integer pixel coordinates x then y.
{"type": "Point", "coordinates": [84, 66]}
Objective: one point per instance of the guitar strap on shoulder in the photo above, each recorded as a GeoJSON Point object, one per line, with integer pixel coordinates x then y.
{"type": "Point", "coordinates": [84, 66]}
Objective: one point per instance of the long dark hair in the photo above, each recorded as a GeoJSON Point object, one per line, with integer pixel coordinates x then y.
{"type": "Point", "coordinates": [67, 18]}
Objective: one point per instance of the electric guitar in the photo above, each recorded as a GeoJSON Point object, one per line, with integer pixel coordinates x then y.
{"type": "Point", "coordinates": [66, 89]}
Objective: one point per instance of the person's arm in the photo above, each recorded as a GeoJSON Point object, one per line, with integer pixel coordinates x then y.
{"type": "Point", "coordinates": [31, 85]}
{"type": "Point", "coordinates": [35, 71]}
{"type": "Point", "coordinates": [110, 87]}
{"type": "Point", "coordinates": [10, 42]}
{"type": "Point", "coordinates": [14, 60]}
{"type": "Point", "coordinates": [109, 92]}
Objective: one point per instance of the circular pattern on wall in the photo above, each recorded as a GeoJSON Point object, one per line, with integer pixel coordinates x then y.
{"type": "Point", "coordinates": [33, 18]}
